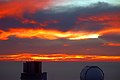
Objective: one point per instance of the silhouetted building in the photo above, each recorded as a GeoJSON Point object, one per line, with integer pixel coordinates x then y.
{"type": "Point", "coordinates": [33, 71]}
{"type": "Point", "coordinates": [91, 73]}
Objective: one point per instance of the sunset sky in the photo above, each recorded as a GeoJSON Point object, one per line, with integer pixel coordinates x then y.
{"type": "Point", "coordinates": [60, 30]}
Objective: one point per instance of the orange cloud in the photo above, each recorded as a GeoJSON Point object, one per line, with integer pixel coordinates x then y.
{"type": "Point", "coordinates": [19, 7]}
{"type": "Point", "coordinates": [101, 17]}
{"type": "Point", "coordinates": [57, 57]}
{"type": "Point", "coordinates": [45, 34]}
{"type": "Point", "coordinates": [111, 44]}
{"type": "Point", "coordinates": [53, 34]}
{"type": "Point", "coordinates": [109, 21]}
{"type": "Point", "coordinates": [109, 30]}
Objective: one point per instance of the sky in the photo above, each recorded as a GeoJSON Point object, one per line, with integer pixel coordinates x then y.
{"type": "Point", "coordinates": [60, 30]}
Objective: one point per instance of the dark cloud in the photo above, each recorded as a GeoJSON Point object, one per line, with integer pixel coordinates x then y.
{"type": "Point", "coordinates": [113, 37]}
{"type": "Point", "coordinates": [66, 20]}
{"type": "Point", "coordinates": [91, 47]}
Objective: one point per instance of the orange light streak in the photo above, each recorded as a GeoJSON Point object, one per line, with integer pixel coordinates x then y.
{"type": "Point", "coordinates": [53, 34]}
{"type": "Point", "coordinates": [109, 30]}
{"type": "Point", "coordinates": [57, 57]}
{"type": "Point", "coordinates": [112, 44]}
{"type": "Point", "coordinates": [45, 34]}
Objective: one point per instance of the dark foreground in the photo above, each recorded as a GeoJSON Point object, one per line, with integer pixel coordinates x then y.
{"type": "Point", "coordinates": [60, 70]}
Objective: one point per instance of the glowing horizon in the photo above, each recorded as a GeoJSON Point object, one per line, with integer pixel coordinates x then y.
{"type": "Point", "coordinates": [58, 57]}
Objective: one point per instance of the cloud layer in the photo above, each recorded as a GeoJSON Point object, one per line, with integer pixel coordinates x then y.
{"type": "Point", "coordinates": [49, 26]}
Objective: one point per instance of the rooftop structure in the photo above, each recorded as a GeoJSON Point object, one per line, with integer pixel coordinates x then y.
{"type": "Point", "coordinates": [33, 71]}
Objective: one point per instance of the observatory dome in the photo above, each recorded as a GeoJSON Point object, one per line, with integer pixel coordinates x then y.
{"type": "Point", "coordinates": [91, 73]}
